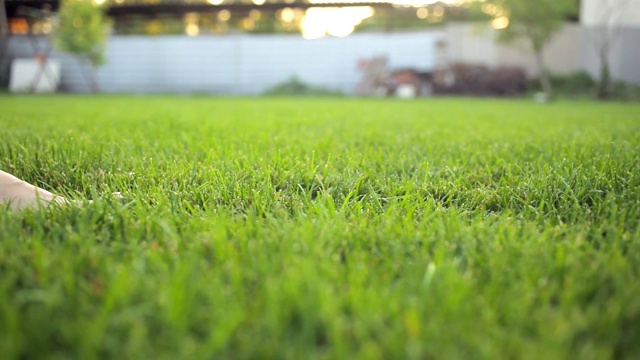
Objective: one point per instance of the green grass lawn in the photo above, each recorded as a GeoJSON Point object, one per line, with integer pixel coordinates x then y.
{"type": "Point", "coordinates": [322, 229]}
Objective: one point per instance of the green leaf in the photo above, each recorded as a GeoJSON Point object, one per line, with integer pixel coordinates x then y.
{"type": "Point", "coordinates": [82, 30]}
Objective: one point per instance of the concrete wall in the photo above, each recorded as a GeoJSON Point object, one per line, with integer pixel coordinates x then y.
{"type": "Point", "coordinates": [560, 55]}
{"type": "Point", "coordinates": [476, 44]}
{"type": "Point", "coordinates": [240, 63]}
{"type": "Point", "coordinates": [624, 55]}
{"type": "Point", "coordinates": [618, 23]}
{"type": "Point", "coordinates": [572, 49]}
{"type": "Point", "coordinates": [610, 12]}
{"type": "Point", "coordinates": [469, 43]}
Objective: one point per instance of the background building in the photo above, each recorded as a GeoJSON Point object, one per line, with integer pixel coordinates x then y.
{"type": "Point", "coordinates": [236, 47]}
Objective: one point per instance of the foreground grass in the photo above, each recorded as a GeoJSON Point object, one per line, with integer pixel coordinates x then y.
{"type": "Point", "coordinates": [262, 228]}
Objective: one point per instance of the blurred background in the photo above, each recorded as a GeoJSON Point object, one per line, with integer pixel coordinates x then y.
{"type": "Point", "coordinates": [401, 48]}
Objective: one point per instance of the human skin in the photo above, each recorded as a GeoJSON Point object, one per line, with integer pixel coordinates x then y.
{"type": "Point", "coordinates": [18, 194]}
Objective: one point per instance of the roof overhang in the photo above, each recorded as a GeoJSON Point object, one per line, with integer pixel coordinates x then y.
{"type": "Point", "coordinates": [177, 8]}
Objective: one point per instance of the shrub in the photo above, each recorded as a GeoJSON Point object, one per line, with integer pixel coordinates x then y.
{"type": "Point", "coordinates": [625, 91]}
{"type": "Point", "coordinates": [578, 84]}
{"type": "Point", "coordinates": [295, 87]}
{"type": "Point", "coordinates": [582, 85]}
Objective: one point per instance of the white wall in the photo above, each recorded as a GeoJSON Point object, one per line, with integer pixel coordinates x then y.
{"type": "Point", "coordinates": [475, 43]}
{"type": "Point", "coordinates": [470, 43]}
{"type": "Point", "coordinates": [249, 64]}
{"type": "Point", "coordinates": [570, 50]}
{"type": "Point", "coordinates": [610, 12]}
{"type": "Point", "coordinates": [560, 54]}
{"type": "Point", "coordinates": [616, 22]}
{"type": "Point", "coordinates": [624, 55]}
{"type": "Point", "coordinates": [238, 63]}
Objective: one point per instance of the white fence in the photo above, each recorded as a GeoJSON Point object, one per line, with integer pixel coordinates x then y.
{"type": "Point", "coordinates": [240, 63]}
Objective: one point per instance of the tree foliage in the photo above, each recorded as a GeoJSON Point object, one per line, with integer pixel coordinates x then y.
{"type": "Point", "coordinates": [82, 30]}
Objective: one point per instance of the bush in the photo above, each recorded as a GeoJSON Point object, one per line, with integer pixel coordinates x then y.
{"type": "Point", "coordinates": [582, 85]}
{"type": "Point", "coordinates": [295, 87]}
{"type": "Point", "coordinates": [625, 91]}
{"type": "Point", "coordinates": [576, 85]}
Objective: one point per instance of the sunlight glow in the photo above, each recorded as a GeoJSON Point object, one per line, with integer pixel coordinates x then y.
{"type": "Point", "coordinates": [422, 13]}
{"type": "Point", "coordinates": [248, 24]}
{"type": "Point", "coordinates": [340, 22]}
{"type": "Point", "coordinates": [255, 14]}
{"type": "Point", "coordinates": [414, 3]}
{"type": "Point", "coordinates": [499, 23]}
{"type": "Point", "coordinates": [224, 15]}
{"type": "Point", "coordinates": [493, 10]}
{"type": "Point", "coordinates": [192, 29]}
{"type": "Point", "coordinates": [287, 15]}
{"type": "Point", "coordinates": [320, 22]}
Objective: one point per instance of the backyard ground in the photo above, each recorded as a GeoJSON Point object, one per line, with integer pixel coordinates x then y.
{"type": "Point", "coordinates": [322, 229]}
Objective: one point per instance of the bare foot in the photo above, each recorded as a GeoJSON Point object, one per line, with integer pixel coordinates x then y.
{"type": "Point", "coordinates": [18, 194]}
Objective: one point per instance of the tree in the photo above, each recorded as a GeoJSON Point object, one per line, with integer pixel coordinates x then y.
{"type": "Point", "coordinates": [607, 28]}
{"type": "Point", "coordinates": [535, 22]}
{"type": "Point", "coordinates": [82, 31]}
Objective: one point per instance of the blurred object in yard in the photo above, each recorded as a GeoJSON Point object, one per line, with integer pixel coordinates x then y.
{"type": "Point", "coordinates": [375, 81]}
{"type": "Point", "coordinates": [37, 75]}
{"type": "Point", "coordinates": [405, 91]}
{"type": "Point", "coordinates": [507, 81]}
{"type": "Point", "coordinates": [541, 97]}
{"type": "Point", "coordinates": [479, 80]}
{"type": "Point", "coordinates": [409, 83]}
{"type": "Point", "coordinates": [34, 75]}
{"type": "Point", "coordinates": [456, 79]}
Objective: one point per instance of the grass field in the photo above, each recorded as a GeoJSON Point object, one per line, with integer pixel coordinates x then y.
{"type": "Point", "coordinates": [322, 229]}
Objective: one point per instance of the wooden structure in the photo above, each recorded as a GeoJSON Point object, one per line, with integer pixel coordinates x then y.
{"type": "Point", "coordinates": [30, 12]}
